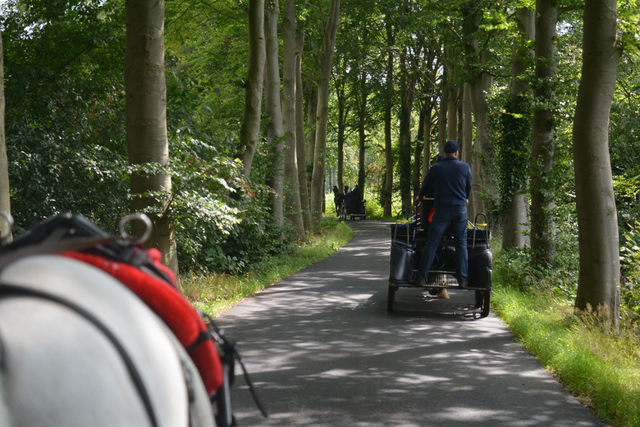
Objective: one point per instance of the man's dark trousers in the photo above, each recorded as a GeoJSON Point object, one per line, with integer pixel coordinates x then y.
{"type": "Point", "coordinates": [438, 226]}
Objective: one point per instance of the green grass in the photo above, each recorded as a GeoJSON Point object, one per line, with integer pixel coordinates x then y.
{"type": "Point", "coordinates": [216, 293]}
{"type": "Point", "coordinates": [600, 368]}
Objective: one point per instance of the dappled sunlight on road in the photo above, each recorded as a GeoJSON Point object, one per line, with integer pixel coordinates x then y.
{"type": "Point", "coordinates": [323, 351]}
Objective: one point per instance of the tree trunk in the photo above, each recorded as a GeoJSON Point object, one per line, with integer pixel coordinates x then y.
{"type": "Point", "coordinates": [291, 186]}
{"type": "Point", "coordinates": [312, 117]}
{"type": "Point", "coordinates": [250, 130]}
{"type": "Point", "coordinates": [416, 172]}
{"type": "Point", "coordinates": [407, 89]}
{"type": "Point", "coordinates": [300, 137]}
{"type": "Point", "coordinates": [466, 137]}
{"type": "Point", "coordinates": [515, 218]}
{"type": "Point", "coordinates": [362, 135]}
{"type": "Point", "coordinates": [146, 121]}
{"type": "Point", "coordinates": [479, 85]}
{"type": "Point", "coordinates": [5, 199]}
{"type": "Point", "coordinates": [273, 110]}
{"type": "Point", "coordinates": [329, 39]}
{"type": "Point", "coordinates": [343, 113]}
{"type": "Point", "coordinates": [599, 278]}
{"type": "Point", "coordinates": [442, 113]}
{"type": "Point", "coordinates": [426, 136]}
{"type": "Point", "coordinates": [542, 146]}
{"type": "Point", "coordinates": [388, 105]}
{"type": "Point", "coordinates": [452, 113]}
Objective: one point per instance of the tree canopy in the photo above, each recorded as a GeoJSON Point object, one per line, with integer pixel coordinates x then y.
{"type": "Point", "coordinates": [369, 90]}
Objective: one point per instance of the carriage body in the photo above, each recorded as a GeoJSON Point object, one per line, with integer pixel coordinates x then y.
{"type": "Point", "coordinates": [352, 209]}
{"type": "Point", "coordinates": [408, 241]}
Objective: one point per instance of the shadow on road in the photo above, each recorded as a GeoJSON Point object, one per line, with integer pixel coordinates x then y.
{"type": "Point", "coordinates": [323, 351]}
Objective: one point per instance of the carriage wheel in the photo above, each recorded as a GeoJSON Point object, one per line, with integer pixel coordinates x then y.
{"type": "Point", "coordinates": [391, 299]}
{"type": "Point", "coordinates": [483, 301]}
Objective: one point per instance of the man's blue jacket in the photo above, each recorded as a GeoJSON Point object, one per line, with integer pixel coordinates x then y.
{"type": "Point", "coordinates": [450, 183]}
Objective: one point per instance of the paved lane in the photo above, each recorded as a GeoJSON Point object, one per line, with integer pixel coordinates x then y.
{"type": "Point", "coordinates": [323, 351]}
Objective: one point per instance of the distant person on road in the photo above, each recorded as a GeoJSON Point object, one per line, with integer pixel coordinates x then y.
{"type": "Point", "coordinates": [451, 183]}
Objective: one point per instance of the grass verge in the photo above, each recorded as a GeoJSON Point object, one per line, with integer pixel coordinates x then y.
{"type": "Point", "coordinates": [217, 293]}
{"type": "Point", "coordinates": [601, 369]}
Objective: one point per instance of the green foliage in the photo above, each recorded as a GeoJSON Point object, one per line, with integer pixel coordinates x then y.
{"type": "Point", "coordinates": [630, 273]}
{"type": "Point", "coordinates": [515, 268]}
{"type": "Point", "coordinates": [513, 149]}
{"type": "Point", "coordinates": [54, 177]}
{"type": "Point", "coordinates": [600, 368]}
{"type": "Point", "coordinates": [223, 221]}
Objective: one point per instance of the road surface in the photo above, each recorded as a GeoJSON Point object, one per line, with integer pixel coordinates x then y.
{"type": "Point", "coordinates": [322, 350]}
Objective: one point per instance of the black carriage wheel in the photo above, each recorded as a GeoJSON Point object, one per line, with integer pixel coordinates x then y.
{"type": "Point", "coordinates": [391, 299]}
{"type": "Point", "coordinates": [483, 301]}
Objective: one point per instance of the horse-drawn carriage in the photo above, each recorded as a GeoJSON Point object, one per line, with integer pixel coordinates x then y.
{"type": "Point", "coordinates": [408, 240]}
{"type": "Point", "coordinates": [355, 209]}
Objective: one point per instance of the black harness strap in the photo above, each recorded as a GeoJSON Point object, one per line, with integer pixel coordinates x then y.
{"type": "Point", "coordinates": [9, 290]}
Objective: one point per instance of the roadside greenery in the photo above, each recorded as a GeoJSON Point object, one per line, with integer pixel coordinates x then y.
{"type": "Point", "coordinates": [600, 367]}
{"type": "Point", "coordinates": [215, 293]}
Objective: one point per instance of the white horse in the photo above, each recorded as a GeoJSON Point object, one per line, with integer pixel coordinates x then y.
{"type": "Point", "coordinates": [77, 348]}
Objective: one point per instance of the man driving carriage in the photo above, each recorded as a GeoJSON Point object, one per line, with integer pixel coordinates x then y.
{"type": "Point", "coordinates": [450, 180]}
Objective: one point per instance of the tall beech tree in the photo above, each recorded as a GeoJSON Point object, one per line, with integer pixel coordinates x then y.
{"type": "Point", "coordinates": [388, 106]}
{"type": "Point", "coordinates": [146, 121]}
{"type": "Point", "coordinates": [514, 192]}
{"type": "Point", "coordinates": [301, 149]}
{"type": "Point", "coordinates": [273, 110]}
{"type": "Point", "coordinates": [250, 130]}
{"type": "Point", "coordinates": [479, 83]}
{"type": "Point", "coordinates": [329, 33]}
{"type": "Point", "coordinates": [5, 199]}
{"type": "Point", "coordinates": [599, 278]}
{"type": "Point", "coordinates": [291, 186]}
{"type": "Point", "coordinates": [542, 137]}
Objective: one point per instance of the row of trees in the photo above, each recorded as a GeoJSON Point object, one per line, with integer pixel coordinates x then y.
{"type": "Point", "coordinates": [267, 100]}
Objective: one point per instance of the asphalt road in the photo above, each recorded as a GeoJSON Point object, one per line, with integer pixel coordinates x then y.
{"type": "Point", "coordinates": [322, 350]}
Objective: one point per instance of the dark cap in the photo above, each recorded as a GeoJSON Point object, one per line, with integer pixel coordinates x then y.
{"type": "Point", "coordinates": [451, 147]}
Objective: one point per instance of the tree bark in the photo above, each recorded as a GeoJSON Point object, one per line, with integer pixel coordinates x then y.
{"type": "Point", "coordinates": [362, 98]}
{"type": "Point", "coordinates": [599, 277]}
{"type": "Point", "coordinates": [542, 146]}
{"type": "Point", "coordinates": [329, 38]}
{"type": "Point", "coordinates": [452, 113]}
{"type": "Point", "coordinates": [5, 199]}
{"type": "Point", "coordinates": [343, 113]}
{"type": "Point", "coordinates": [273, 110]}
{"type": "Point", "coordinates": [388, 105]}
{"type": "Point", "coordinates": [291, 185]}
{"type": "Point", "coordinates": [407, 90]}
{"type": "Point", "coordinates": [515, 218]}
{"type": "Point", "coordinates": [426, 136]}
{"type": "Point", "coordinates": [146, 121]}
{"type": "Point", "coordinates": [250, 130]}
{"type": "Point", "coordinates": [301, 154]}
{"type": "Point", "coordinates": [312, 117]}
{"type": "Point", "coordinates": [466, 137]}
{"type": "Point", "coordinates": [442, 114]}
{"type": "Point", "coordinates": [479, 85]}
